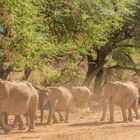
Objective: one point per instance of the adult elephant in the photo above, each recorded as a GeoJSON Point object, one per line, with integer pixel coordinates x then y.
{"type": "Point", "coordinates": [58, 99]}
{"type": "Point", "coordinates": [17, 98]}
{"type": "Point", "coordinates": [124, 95]}
{"type": "Point", "coordinates": [42, 104]}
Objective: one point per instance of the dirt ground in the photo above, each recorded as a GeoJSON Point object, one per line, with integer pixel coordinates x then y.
{"type": "Point", "coordinates": [83, 125]}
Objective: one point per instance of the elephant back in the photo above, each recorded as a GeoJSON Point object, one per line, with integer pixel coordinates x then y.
{"type": "Point", "coordinates": [132, 94]}
{"type": "Point", "coordinates": [81, 94]}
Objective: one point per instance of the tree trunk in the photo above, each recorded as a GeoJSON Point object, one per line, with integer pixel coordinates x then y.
{"type": "Point", "coordinates": [27, 73]}
{"type": "Point", "coordinates": [98, 82]}
{"type": "Point", "coordinates": [94, 68]}
{"type": "Point", "coordinates": [92, 71]}
{"type": "Point", "coordinates": [5, 72]}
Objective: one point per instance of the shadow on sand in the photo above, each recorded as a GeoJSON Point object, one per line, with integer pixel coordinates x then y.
{"type": "Point", "coordinates": [92, 124]}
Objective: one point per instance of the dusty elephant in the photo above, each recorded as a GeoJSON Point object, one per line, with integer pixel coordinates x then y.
{"type": "Point", "coordinates": [124, 95]}
{"type": "Point", "coordinates": [58, 99]}
{"type": "Point", "coordinates": [81, 94]}
{"type": "Point", "coordinates": [42, 104]}
{"type": "Point", "coordinates": [17, 98]}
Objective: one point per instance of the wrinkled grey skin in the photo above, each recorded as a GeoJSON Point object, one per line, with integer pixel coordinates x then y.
{"type": "Point", "coordinates": [124, 95]}
{"type": "Point", "coordinates": [58, 99]}
{"type": "Point", "coordinates": [17, 98]}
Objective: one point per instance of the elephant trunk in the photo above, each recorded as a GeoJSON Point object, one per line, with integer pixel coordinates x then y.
{"type": "Point", "coordinates": [41, 114]}
{"type": "Point", "coordinates": [3, 123]}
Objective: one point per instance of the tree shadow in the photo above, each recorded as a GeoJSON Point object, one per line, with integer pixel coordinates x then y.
{"type": "Point", "coordinates": [38, 124]}
{"type": "Point", "coordinates": [92, 124]}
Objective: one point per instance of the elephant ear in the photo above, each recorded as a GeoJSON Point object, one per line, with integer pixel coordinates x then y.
{"type": "Point", "coordinates": [4, 92]}
{"type": "Point", "coordinates": [47, 92]}
{"type": "Point", "coordinates": [74, 89]}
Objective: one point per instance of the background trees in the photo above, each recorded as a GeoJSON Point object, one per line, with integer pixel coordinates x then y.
{"type": "Point", "coordinates": [70, 42]}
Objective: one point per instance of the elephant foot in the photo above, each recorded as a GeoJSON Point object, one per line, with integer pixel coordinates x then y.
{"type": "Point", "coordinates": [125, 121]}
{"type": "Point", "coordinates": [61, 120]}
{"type": "Point", "coordinates": [22, 128]}
{"type": "Point", "coordinates": [31, 130]}
{"type": "Point", "coordinates": [14, 126]}
{"type": "Point", "coordinates": [66, 121]}
{"type": "Point", "coordinates": [55, 121]}
{"type": "Point", "coordinates": [7, 130]}
{"type": "Point", "coordinates": [130, 119]}
{"type": "Point", "coordinates": [48, 123]}
{"type": "Point", "coordinates": [102, 119]}
{"type": "Point", "coordinates": [111, 121]}
{"type": "Point", "coordinates": [27, 124]}
{"type": "Point", "coordinates": [137, 118]}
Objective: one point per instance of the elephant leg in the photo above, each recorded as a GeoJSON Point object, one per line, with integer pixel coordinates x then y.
{"type": "Point", "coordinates": [3, 124]}
{"type": "Point", "coordinates": [32, 121]}
{"type": "Point", "coordinates": [135, 108]}
{"type": "Point", "coordinates": [51, 111]}
{"type": "Point", "coordinates": [67, 115]}
{"type": "Point", "coordinates": [15, 124]}
{"type": "Point", "coordinates": [54, 118]}
{"type": "Point", "coordinates": [104, 112]}
{"type": "Point", "coordinates": [41, 114]}
{"type": "Point", "coordinates": [32, 112]}
{"type": "Point", "coordinates": [52, 107]}
{"type": "Point", "coordinates": [130, 115]}
{"type": "Point", "coordinates": [111, 107]}
{"type": "Point", "coordinates": [6, 118]}
{"type": "Point", "coordinates": [60, 116]}
{"type": "Point", "coordinates": [124, 114]}
{"type": "Point", "coordinates": [21, 124]}
{"type": "Point", "coordinates": [27, 119]}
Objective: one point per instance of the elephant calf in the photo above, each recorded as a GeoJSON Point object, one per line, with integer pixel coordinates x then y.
{"type": "Point", "coordinates": [17, 98]}
{"type": "Point", "coordinates": [124, 95]}
{"type": "Point", "coordinates": [81, 94]}
{"type": "Point", "coordinates": [58, 99]}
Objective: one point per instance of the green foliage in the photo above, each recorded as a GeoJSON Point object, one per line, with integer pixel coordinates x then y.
{"type": "Point", "coordinates": [63, 33]}
{"type": "Point", "coordinates": [24, 44]}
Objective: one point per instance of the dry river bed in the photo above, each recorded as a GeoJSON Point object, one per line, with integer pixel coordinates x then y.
{"type": "Point", "coordinates": [83, 125]}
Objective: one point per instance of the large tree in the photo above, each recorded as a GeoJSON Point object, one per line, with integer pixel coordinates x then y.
{"type": "Point", "coordinates": [93, 29]}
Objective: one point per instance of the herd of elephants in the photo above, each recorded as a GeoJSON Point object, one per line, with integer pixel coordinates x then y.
{"type": "Point", "coordinates": [22, 99]}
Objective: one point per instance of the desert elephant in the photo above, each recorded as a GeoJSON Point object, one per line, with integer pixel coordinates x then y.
{"type": "Point", "coordinates": [81, 94]}
{"type": "Point", "coordinates": [59, 99]}
{"type": "Point", "coordinates": [17, 98]}
{"type": "Point", "coordinates": [43, 104]}
{"type": "Point", "coordinates": [124, 95]}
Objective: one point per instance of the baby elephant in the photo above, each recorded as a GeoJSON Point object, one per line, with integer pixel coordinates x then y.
{"type": "Point", "coordinates": [59, 99]}
{"type": "Point", "coordinates": [81, 94]}
{"type": "Point", "coordinates": [124, 95]}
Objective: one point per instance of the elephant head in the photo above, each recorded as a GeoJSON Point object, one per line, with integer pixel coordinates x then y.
{"type": "Point", "coordinates": [43, 95]}
{"type": "Point", "coordinates": [3, 91]}
{"type": "Point", "coordinates": [108, 91]}
{"type": "Point", "coordinates": [75, 91]}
